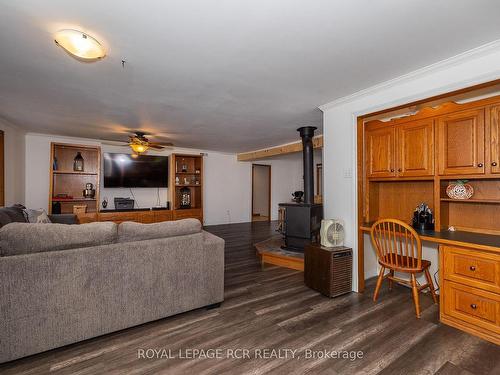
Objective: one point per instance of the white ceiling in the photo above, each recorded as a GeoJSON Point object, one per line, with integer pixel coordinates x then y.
{"type": "Point", "coordinates": [221, 75]}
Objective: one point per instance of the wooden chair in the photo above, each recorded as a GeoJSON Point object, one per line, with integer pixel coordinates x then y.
{"type": "Point", "coordinates": [399, 249]}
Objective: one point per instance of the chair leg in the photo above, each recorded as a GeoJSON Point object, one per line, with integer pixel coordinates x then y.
{"type": "Point", "coordinates": [390, 281]}
{"type": "Point", "coordinates": [379, 283]}
{"type": "Point", "coordinates": [415, 294]}
{"type": "Point", "coordinates": [431, 285]}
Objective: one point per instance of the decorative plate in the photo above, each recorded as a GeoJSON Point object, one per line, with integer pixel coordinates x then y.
{"type": "Point", "coordinates": [459, 190]}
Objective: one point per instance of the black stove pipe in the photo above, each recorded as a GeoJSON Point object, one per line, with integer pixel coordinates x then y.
{"type": "Point", "coordinates": [307, 134]}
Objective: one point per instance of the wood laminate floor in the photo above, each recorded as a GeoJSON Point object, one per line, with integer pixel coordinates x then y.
{"type": "Point", "coordinates": [270, 308]}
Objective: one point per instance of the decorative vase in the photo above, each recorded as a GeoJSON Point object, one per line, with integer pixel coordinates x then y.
{"type": "Point", "coordinates": [459, 190]}
{"type": "Point", "coordinates": [78, 163]}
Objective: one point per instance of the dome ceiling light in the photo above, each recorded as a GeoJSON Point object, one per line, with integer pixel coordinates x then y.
{"type": "Point", "coordinates": [81, 46]}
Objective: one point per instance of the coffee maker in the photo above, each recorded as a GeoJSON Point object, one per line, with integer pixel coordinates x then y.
{"type": "Point", "coordinates": [89, 191]}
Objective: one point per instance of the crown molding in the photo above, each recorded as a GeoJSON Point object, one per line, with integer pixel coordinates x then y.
{"type": "Point", "coordinates": [472, 54]}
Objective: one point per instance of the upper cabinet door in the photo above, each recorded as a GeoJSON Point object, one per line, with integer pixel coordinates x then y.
{"type": "Point", "coordinates": [461, 143]}
{"type": "Point", "coordinates": [416, 148]}
{"type": "Point", "coordinates": [495, 139]}
{"type": "Point", "coordinates": [380, 152]}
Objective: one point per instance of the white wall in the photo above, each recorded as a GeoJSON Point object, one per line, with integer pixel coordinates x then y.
{"type": "Point", "coordinates": [227, 193]}
{"type": "Point", "coordinates": [339, 128]}
{"type": "Point", "coordinates": [14, 163]}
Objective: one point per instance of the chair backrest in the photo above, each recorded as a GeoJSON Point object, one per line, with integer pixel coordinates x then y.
{"type": "Point", "coordinates": [397, 244]}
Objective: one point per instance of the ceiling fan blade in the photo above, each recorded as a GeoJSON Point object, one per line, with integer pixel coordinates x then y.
{"type": "Point", "coordinates": [156, 147]}
{"type": "Point", "coordinates": [114, 143]}
{"type": "Point", "coordinates": [164, 144]}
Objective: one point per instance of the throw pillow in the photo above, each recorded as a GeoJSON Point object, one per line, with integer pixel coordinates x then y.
{"type": "Point", "coordinates": [36, 216]}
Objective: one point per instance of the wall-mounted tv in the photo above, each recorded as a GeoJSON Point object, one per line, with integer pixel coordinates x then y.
{"type": "Point", "coordinates": [133, 171]}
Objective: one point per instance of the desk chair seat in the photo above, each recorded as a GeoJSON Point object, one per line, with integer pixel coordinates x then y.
{"type": "Point", "coordinates": [399, 249]}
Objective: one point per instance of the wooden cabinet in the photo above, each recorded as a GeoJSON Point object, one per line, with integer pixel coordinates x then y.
{"type": "Point", "coordinates": [188, 213]}
{"type": "Point", "coordinates": [87, 218]}
{"type": "Point", "coordinates": [67, 185]}
{"type": "Point", "coordinates": [380, 151]}
{"type": "Point", "coordinates": [144, 217]}
{"type": "Point", "coordinates": [470, 299]}
{"type": "Point", "coordinates": [494, 139]}
{"type": "Point", "coordinates": [405, 150]}
{"type": "Point", "coordinates": [162, 215]}
{"type": "Point", "coordinates": [118, 217]}
{"type": "Point", "coordinates": [461, 143]}
{"type": "Point", "coordinates": [186, 178]}
{"type": "Point", "coordinates": [415, 148]}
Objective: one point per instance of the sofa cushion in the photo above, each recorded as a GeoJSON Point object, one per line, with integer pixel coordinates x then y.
{"type": "Point", "coordinates": [36, 216]}
{"type": "Point", "coordinates": [13, 214]}
{"type": "Point", "coordinates": [24, 238]}
{"type": "Point", "coordinates": [130, 231]}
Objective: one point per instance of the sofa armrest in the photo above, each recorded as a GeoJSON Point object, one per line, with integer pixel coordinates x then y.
{"type": "Point", "coordinates": [213, 260]}
{"type": "Point", "coordinates": [212, 242]}
{"type": "Point", "coordinates": [64, 219]}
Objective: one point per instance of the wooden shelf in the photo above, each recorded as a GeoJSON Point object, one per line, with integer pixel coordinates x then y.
{"type": "Point", "coordinates": [73, 200]}
{"type": "Point", "coordinates": [400, 179]}
{"type": "Point", "coordinates": [191, 164]}
{"type": "Point", "coordinates": [77, 173]}
{"type": "Point", "coordinates": [491, 201]}
{"type": "Point", "coordinates": [65, 181]}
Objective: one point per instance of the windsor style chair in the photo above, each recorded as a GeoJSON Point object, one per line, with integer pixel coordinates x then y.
{"type": "Point", "coordinates": [399, 250]}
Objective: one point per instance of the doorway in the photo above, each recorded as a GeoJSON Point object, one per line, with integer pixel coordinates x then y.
{"type": "Point", "coordinates": [261, 192]}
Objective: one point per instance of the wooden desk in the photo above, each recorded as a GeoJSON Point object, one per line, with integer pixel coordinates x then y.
{"type": "Point", "coordinates": [469, 265]}
{"type": "Point", "coordinates": [488, 242]}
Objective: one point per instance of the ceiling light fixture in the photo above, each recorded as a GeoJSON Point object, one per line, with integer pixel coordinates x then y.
{"type": "Point", "coordinates": [80, 45]}
{"type": "Point", "coordinates": [139, 148]}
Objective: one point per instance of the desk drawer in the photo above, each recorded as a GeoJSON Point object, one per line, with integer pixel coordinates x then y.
{"type": "Point", "coordinates": [472, 267]}
{"type": "Point", "coordinates": [473, 306]}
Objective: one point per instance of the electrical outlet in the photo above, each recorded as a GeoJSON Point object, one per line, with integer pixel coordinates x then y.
{"type": "Point", "coordinates": [348, 173]}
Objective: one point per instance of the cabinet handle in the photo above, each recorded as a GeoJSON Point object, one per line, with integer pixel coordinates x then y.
{"type": "Point", "coordinates": [494, 164]}
{"type": "Point", "coordinates": [472, 268]}
{"type": "Point", "coordinates": [392, 169]}
{"type": "Point", "coordinates": [473, 306]}
{"type": "Point", "coordinates": [400, 170]}
{"type": "Point", "coordinates": [480, 165]}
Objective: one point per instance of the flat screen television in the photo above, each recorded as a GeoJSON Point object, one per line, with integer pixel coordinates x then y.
{"type": "Point", "coordinates": [124, 170]}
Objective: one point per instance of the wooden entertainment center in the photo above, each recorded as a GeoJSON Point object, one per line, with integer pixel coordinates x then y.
{"type": "Point", "coordinates": [67, 185]}
{"type": "Point", "coordinates": [412, 159]}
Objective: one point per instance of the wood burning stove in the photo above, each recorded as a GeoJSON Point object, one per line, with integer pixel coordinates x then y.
{"type": "Point", "coordinates": [302, 221]}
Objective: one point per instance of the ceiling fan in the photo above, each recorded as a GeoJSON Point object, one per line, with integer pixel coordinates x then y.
{"type": "Point", "coordinates": [140, 144]}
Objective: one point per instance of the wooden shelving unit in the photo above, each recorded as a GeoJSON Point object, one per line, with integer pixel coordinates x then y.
{"type": "Point", "coordinates": [408, 160]}
{"type": "Point", "coordinates": [186, 171]}
{"type": "Point", "coordinates": [413, 159]}
{"type": "Point", "coordinates": [64, 180]}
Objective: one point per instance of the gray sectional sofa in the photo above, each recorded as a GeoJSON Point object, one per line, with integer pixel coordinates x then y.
{"type": "Point", "coordinates": [60, 284]}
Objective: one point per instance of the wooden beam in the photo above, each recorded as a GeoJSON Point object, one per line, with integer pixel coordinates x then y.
{"type": "Point", "coordinates": [278, 150]}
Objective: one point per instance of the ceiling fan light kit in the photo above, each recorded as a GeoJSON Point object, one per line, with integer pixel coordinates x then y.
{"type": "Point", "coordinates": [139, 147]}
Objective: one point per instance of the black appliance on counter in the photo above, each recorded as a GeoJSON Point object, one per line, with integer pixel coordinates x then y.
{"type": "Point", "coordinates": [423, 218]}
{"type": "Point", "coordinates": [302, 220]}
{"type": "Point", "coordinates": [124, 203]}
